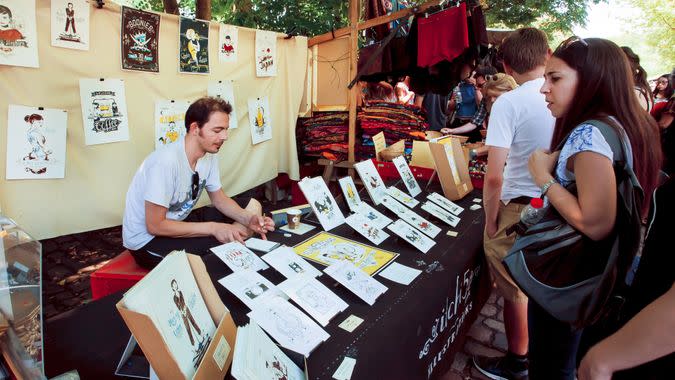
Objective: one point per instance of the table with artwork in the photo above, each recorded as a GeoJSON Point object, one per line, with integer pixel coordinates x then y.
{"type": "Point", "coordinates": [404, 332]}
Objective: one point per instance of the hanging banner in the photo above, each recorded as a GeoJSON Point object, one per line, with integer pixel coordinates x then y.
{"type": "Point", "coordinates": [228, 43]}
{"type": "Point", "coordinates": [104, 111]}
{"type": "Point", "coordinates": [36, 142]}
{"type": "Point", "coordinates": [169, 121]}
{"type": "Point", "coordinates": [265, 53]}
{"type": "Point", "coordinates": [70, 24]}
{"type": "Point", "coordinates": [140, 40]}
{"type": "Point", "coordinates": [224, 89]}
{"type": "Point", "coordinates": [259, 119]}
{"type": "Point", "coordinates": [193, 49]}
{"type": "Point", "coordinates": [18, 34]}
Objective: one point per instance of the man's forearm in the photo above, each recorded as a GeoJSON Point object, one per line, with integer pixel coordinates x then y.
{"type": "Point", "coordinates": [231, 209]}
{"type": "Point", "coordinates": [177, 228]}
{"type": "Point", "coordinates": [492, 192]}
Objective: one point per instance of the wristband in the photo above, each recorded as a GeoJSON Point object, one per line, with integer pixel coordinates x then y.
{"type": "Point", "coordinates": [547, 185]}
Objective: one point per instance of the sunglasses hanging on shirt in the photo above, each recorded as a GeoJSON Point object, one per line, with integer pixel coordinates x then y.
{"type": "Point", "coordinates": [195, 185]}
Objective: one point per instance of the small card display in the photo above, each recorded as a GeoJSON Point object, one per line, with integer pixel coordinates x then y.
{"type": "Point", "coordinates": [363, 226]}
{"type": "Point", "coordinates": [411, 217]}
{"type": "Point", "coordinates": [349, 191]}
{"type": "Point", "coordinates": [238, 257]}
{"type": "Point", "coordinates": [445, 203]}
{"type": "Point", "coordinates": [261, 245]}
{"type": "Point", "coordinates": [250, 287]}
{"type": "Point", "coordinates": [441, 213]}
{"type": "Point", "coordinates": [288, 325]}
{"type": "Point", "coordinates": [407, 176]}
{"type": "Point", "coordinates": [411, 235]}
{"type": "Point", "coordinates": [322, 202]}
{"type": "Point", "coordinates": [376, 218]}
{"type": "Point", "coordinates": [358, 282]}
{"type": "Point", "coordinates": [371, 180]}
{"type": "Point", "coordinates": [314, 297]}
{"type": "Point", "coordinates": [402, 197]}
{"type": "Point", "coordinates": [289, 264]}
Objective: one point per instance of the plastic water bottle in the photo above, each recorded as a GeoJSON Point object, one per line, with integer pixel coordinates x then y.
{"type": "Point", "coordinates": [533, 212]}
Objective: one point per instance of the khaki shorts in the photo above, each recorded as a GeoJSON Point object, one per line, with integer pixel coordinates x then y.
{"type": "Point", "coordinates": [496, 249]}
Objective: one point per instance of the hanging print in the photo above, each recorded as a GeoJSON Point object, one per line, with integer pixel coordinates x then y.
{"type": "Point", "coordinates": [70, 24]}
{"type": "Point", "coordinates": [169, 121]}
{"type": "Point", "coordinates": [193, 50]}
{"type": "Point", "coordinates": [259, 118]}
{"type": "Point", "coordinates": [104, 111]}
{"type": "Point", "coordinates": [36, 142]}
{"type": "Point", "coordinates": [228, 43]}
{"type": "Point", "coordinates": [140, 40]}
{"type": "Point", "coordinates": [265, 53]}
{"type": "Point", "coordinates": [224, 89]}
{"type": "Point", "coordinates": [18, 35]}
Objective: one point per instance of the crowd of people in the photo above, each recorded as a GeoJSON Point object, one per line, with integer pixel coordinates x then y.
{"type": "Point", "coordinates": [541, 141]}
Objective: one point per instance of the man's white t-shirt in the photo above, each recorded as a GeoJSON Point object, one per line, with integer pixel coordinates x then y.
{"type": "Point", "coordinates": [520, 122]}
{"type": "Point", "coordinates": [165, 179]}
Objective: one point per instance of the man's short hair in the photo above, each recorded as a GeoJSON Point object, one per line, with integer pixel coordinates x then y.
{"type": "Point", "coordinates": [200, 111]}
{"type": "Point", "coordinates": [524, 49]}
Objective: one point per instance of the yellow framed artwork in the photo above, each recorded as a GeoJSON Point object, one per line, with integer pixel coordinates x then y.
{"type": "Point", "coordinates": [327, 249]}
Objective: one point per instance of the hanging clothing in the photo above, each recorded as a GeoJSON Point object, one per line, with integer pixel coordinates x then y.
{"type": "Point", "coordinates": [442, 36]}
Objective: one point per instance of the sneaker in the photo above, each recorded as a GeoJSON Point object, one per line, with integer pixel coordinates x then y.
{"type": "Point", "coordinates": [502, 367]}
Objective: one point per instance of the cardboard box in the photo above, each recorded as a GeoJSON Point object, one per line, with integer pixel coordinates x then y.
{"type": "Point", "coordinates": [452, 169]}
{"type": "Point", "coordinates": [217, 359]}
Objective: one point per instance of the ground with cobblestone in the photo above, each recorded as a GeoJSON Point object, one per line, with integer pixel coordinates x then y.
{"type": "Point", "coordinates": [69, 260]}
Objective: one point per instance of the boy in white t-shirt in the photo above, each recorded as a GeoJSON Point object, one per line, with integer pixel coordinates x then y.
{"type": "Point", "coordinates": [168, 185]}
{"type": "Point", "coordinates": [519, 124]}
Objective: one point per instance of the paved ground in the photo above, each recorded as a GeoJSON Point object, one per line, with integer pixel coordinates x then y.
{"type": "Point", "coordinates": [69, 260]}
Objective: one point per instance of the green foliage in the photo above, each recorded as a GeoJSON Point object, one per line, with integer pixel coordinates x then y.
{"type": "Point", "coordinates": [656, 39]}
{"type": "Point", "coordinates": [551, 16]}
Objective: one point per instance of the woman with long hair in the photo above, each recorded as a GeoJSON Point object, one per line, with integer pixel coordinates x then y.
{"type": "Point", "coordinates": [662, 93]}
{"type": "Point", "coordinates": [642, 89]}
{"type": "Point", "coordinates": [586, 79]}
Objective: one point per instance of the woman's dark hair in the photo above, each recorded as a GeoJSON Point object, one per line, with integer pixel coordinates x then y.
{"type": "Point", "coordinates": [639, 74]}
{"type": "Point", "coordinates": [606, 89]}
{"type": "Point", "coordinates": [668, 92]}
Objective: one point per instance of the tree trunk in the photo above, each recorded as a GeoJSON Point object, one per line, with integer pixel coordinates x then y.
{"type": "Point", "coordinates": [203, 9]}
{"type": "Point", "coordinates": [170, 6]}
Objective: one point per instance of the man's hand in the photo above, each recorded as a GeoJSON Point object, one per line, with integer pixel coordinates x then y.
{"type": "Point", "coordinates": [226, 233]}
{"type": "Point", "coordinates": [261, 225]}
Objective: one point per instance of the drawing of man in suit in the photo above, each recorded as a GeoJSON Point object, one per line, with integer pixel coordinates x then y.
{"type": "Point", "coordinates": [184, 311]}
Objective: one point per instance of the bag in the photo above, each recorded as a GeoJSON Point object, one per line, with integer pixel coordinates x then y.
{"type": "Point", "coordinates": [569, 275]}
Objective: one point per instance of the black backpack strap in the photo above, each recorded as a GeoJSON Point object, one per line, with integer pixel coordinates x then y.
{"type": "Point", "coordinates": [614, 138]}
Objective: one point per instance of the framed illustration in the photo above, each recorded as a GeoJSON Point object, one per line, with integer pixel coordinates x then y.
{"type": "Point", "coordinates": [193, 49]}
{"type": "Point", "coordinates": [70, 24]}
{"type": "Point", "coordinates": [371, 180]}
{"type": "Point", "coordinates": [322, 202]}
{"type": "Point", "coordinates": [140, 40]}
{"type": "Point", "coordinates": [259, 119]}
{"type": "Point", "coordinates": [18, 33]}
{"type": "Point", "coordinates": [104, 111]}
{"type": "Point", "coordinates": [265, 53]}
{"type": "Point", "coordinates": [228, 43]}
{"type": "Point", "coordinates": [349, 191]}
{"type": "Point", "coordinates": [327, 249]}
{"type": "Point", "coordinates": [407, 176]}
{"type": "Point", "coordinates": [169, 121]}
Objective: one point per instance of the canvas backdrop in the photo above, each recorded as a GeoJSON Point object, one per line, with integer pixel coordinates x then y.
{"type": "Point", "coordinates": [92, 195]}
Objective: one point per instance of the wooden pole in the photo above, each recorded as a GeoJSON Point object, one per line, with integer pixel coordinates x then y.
{"type": "Point", "coordinates": [170, 6]}
{"type": "Point", "coordinates": [203, 9]}
{"type": "Point", "coordinates": [354, 8]}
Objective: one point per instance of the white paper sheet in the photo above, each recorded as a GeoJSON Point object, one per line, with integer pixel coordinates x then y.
{"type": "Point", "coordinates": [224, 89]}
{"type": "Point", "coordinates": [376, 218]}
{"type": "Point", "coordinates": [18, 41]}
{"type": "Point", "coordinates": [288, 325]}
{"type": "Point", "coordinates": [70, 24]}
{"type": "Point", "coordinates": [228, 46]}
{"type": "Point", "coordinates": [301, 229]}
{"type": "Point", "coordinates": [445, 203]}
{"type": "Point", "coordinates": [371, 180]}
{"type": "Point", "coordinates": [349, 191]}
{"type": "Point", "coordinates": [36, 143]}
{"type": "Point", "coordinates": [366, 228]}
{"type": "Point", "coordinates": [289, 264]}
{"type": "Point", "coordinates": [104, 111]}
{"type": "Point", "coordinates": [402, 197]}
{"type": "Point", "coordinates": [259, 119]}
{"type": "Point", "coordinates": [322, 202]}
{"type": "Point", "coordinates": [313, 297]}
{"type": "Point", "coordinates": [238, 257]}
{"type": "Point", "coordinates": [411, 235]}
{"type": "Point", "coordinates": [169, 121]}
{"type": "Point", "coordinates": [441, 213]}
{"type": "Point", "coordinates": [357, 281]}
{"type": "Point", "coordinates": [411, 217]}
{"type": "Point", "coordinates": [261, 245]}
{"type": "Point", "coordinates": [407, 176]}
{"type": "Point", "coordinates": [345, 370]}
{"type": "Point", "coordinates": [265, 53]}
{"type": "Point", "coordinates": [250, 287]}
{"type": "Point", "coordinates": [400, 273]}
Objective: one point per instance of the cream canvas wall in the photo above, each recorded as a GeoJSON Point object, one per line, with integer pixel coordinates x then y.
{"type": "Point", "coordinates": [93, 192]}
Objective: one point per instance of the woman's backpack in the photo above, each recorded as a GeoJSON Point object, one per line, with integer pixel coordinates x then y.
{"type": "Point", "coordinates": [566, 273]}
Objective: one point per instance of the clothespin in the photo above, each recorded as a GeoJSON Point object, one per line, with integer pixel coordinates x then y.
{"type": "Point", "coordinates": [100, 4]}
